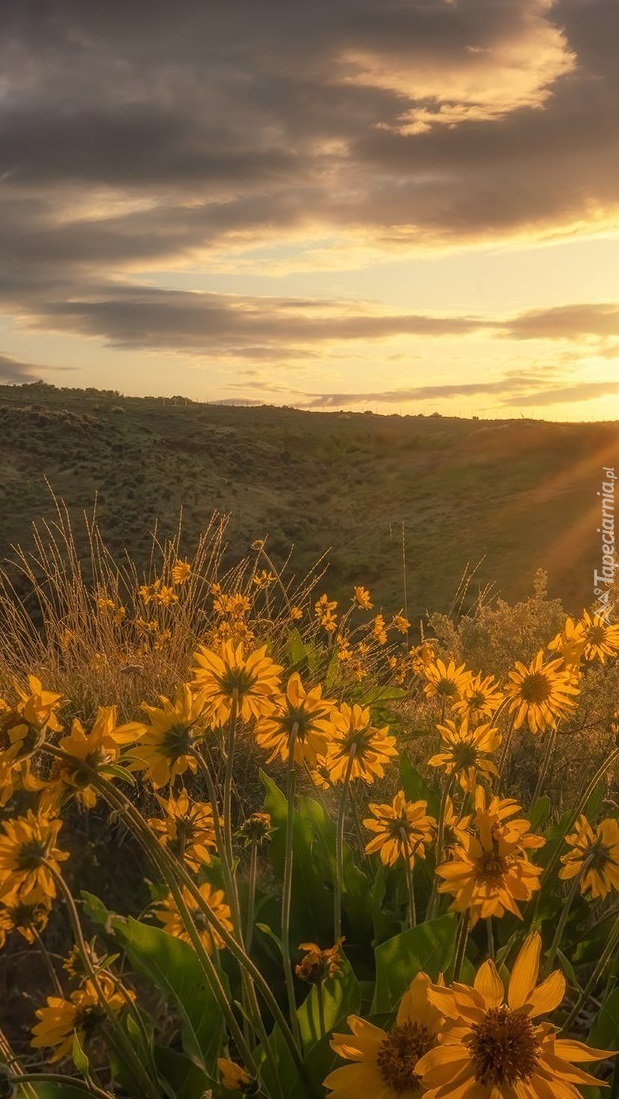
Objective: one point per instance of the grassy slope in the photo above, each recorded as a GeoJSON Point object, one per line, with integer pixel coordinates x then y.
{"type": "Point", "coordinates": [522, 493]}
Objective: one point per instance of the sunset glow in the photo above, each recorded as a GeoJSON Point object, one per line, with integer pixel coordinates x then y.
{"type": "Point", "coordinates": [408, 208]}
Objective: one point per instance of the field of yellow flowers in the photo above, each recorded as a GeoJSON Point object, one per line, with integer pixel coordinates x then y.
{"type": "Point", "coordinates": [364, 874]}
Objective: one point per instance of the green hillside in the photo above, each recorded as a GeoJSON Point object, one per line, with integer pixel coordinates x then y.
{"type": "Point", "coordinates": [518, 494]}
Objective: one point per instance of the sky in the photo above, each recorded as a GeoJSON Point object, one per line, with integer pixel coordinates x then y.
{"type": "Point", "coordinates": [406, 206]}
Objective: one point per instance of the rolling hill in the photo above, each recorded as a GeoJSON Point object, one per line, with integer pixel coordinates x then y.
{"type": "Point", "coordinates": [514, 495]}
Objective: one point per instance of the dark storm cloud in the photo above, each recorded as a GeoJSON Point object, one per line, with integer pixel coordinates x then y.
{"type": "Point", "coordinates": [397, 121]}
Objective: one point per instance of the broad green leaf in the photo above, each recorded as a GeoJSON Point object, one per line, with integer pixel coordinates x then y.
{"type": "Point", "coordinates": [415, 787]}
{"type": "Point", "coordinates": [341, 996]}
{"type": "Point", "coordinates": [538, 814]}
{"type": "Point", "coordinates": [427, 948]}
{"type": "Point", "coordinates": [172, 965]}
{"type": "Point", "coordinates": [604, 1032]}
{"type": "Point", "coordinates": [296, 647]}
{"type": "Point", "coordinates": [186, 1079]}
{"type": "Point", "coordinates": [80, 1059]}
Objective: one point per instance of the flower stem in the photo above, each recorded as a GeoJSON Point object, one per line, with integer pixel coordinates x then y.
{"type": "Point", "coordinates": [287, 885]}
{"type": "Point", "coordinates": [251, 900]}
{"type": "Point", "coordinates": [123, 1040]}
{"type": "Point", "coordinates": [461, 941]}
{"type": "Point", "coordinates": [51, 969]}
{"type": "Point", "coordinates": [607, 953]}
{"type": "Point", "coordinates": [339, 850]}
{"type": "Point", "coordinates": [90, 1089]}
{"type": "Point", "coordinates": [543, 772]}
{"type": "Point", "coordinates": [440, 840]}
{"type": "Point", "coordinates": [228, 779]}
{"type": "Point", "coordinates": [558, 935]}
{"type": "Point", "coordinates": [582, 805]}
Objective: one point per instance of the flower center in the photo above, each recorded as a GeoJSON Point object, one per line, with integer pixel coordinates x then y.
{"type": "Point", "coordinates": [177, 741]}
{"type": "Point", "coordinates": [446, 688]}
{"type": "Point", "coordinates": [465, 755]}
{"type": "Point", "coordinates": [398, 1055]}
{"type": "Point", "coordinates": [596, 635]}
{"type": "Point", "coordinates": [491, 868]}
{"type": "Point", "coordinates": [236, 679]}
{"type": "Point", "coordinates": [31, 854]}
{"type": "Point", "coordinates": [535, 688]}
{"type": "Point", "coordinates": [503, 1048]}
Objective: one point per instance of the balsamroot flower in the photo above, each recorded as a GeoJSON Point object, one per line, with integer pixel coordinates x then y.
{"type": "Point", "coordinates": [465, 751]}
{"type": "Point", "coordinates": [445, 681]}
{"type": "Point", "coordinates": [307, 714]}
{"type": "Point", "coordinates": [357, 748]}
{"type": "Point", "coordinates": [81, 1015]}
{"type": "Point", "coordinates": [490, 1045]}
{"type": "Point", "coordinates": [28, 855]}
{"type": "Point", "coordinates": [89, 752]}
{"type": "Point", "coordinates": [402, 830]}
{"type": "Point", "coordinates": [385, 1063]}
{"type": "Point", "coordinates": [479, 700]}
{"type": "Point", "coordinates": [540, 694]}
{"type": "Point", "coordinates": [187, 830]}
{"type": "Point", "coordinates": [172, 921]}
{"type": "Point", "coordinates": [228, 677]}
{"type": "Point", "coordinates": [318, 964]}
{"type": "Point", "coordinates": [595, 855]}
{"type": "Point", "coordinates": [166, 746]}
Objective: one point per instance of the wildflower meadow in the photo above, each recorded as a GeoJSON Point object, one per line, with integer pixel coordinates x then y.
{"type": "Point", "coordinates": [338, 853]}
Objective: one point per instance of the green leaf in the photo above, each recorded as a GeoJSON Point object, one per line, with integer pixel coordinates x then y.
{"type": "Point", "coordinates": [604, 1032]}
{"type": "Point", "coordinates": [426, 948]}
{"type": "Point", "coordinates": [415, 787]}
{"type": "Point", "coordinates": [539, 812]}
{"type": "Point", "coordinates": [185, 1079]}
{"type": "Point", "coordinates": [296, 647]}
{"type": "Point", "coordinates": [172, 965]}
{"type": "Point", "coordinates": [341, 996]}
{"type": "Point", "coordinates": [80, 1060]}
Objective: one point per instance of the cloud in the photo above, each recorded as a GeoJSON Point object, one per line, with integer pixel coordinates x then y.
{"type": "Point", "coordinates": [15, 371]}
{"type": "Point", "coordinates": [138, 135]}
{"type": "Point", "coordinates": [566, 322]}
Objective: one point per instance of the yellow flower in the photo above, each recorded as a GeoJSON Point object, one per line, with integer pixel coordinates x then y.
{"type": "Point", "coordinates": [233, 1077]}
{"type": "Point", "coordinates": [296, 613]}
{"type": "Point", "coordinates": [540, 693]}
{"type": "Point", "coordinates": [170, 917]}
{"type": "Point", "coordinates": [263, 579]}
{"type": "Point", "coordinates": [318, 964]}
{"type": "Point", "coordinates": [400, 623]}
{"type": "Point", "coordinates": [81, 1015]}
{"type": "Point", "coordinates": [403, 830]}
{"type": "Point", "coordinates": [445, 681]}
{"type": "Point", "coordinates": [465, 751]}
{"type": "Point", "coordinates": [570, 643]}
{"type": "Point", "coordinates": [181, 571]}
{"type": "Point", "coordinates": [488, 876]}
{"type": "Point", "coordinates": [324, 610]}
{"type": "Point", "coordinates": [379, 631]}
{"type": "Point", "coordinates": [256, 829]}
{"type": "Point", "coordinates": [494, 819]}
{"type": "Point", "coordinates": [165, 596]}
{"type": "Point", "coordinates": [19, 739]}
{"type": "Point", "coordinates": [28, 854]}
{"type": "Point", "coordinates": [421, 656]}
{"type": "Point", "coordinates": [480, 698]}
{"type": "Point", "coordinates": [92, 751]}
{"type": "Point", "coordinates": [167, 743]}
{"type": "Point", "coordinates": [38, 706]}
{"type": "Point", "coordinates": [306, 712]}
{"type": "Point", "coordinates": [491, 1047]}
{"type": "Point", "coordinates": [357, 748]}
{"type": "Point", "coordinates": [188, 829]}
{"type": "Point", "coordinates": [27, 915]}
{"type": "Point", "coordinates": [362, 598]}
{"type": "Point", "coordinates": [385, 1063]}
{"type": "Point", "coordinates": [227, 676]}
{"type": "Point", "coordinates": [601, 639]}
{"type": "Point", "coordinates": [595, 855]}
